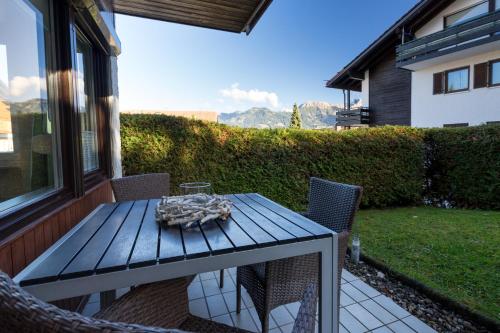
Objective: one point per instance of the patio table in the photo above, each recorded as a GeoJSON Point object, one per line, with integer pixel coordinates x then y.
{"type": "Point", "coordinates": [120, 245]}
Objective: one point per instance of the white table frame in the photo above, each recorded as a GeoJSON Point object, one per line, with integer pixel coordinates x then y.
{"type": "Point", "coordinates": [327, 247]}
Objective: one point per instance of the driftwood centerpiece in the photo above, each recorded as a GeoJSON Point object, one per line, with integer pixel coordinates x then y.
{"type": "Point", "coordinates": [189, 209]}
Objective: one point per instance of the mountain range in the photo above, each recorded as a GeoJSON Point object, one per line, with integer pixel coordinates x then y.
{"type": "Point", "coordinates": [314, 115]}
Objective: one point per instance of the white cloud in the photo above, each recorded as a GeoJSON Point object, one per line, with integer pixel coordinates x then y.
{"type": "Point", "coordinates": [30, 85]}
{"type": "Point", "coordinates": [252, 95]}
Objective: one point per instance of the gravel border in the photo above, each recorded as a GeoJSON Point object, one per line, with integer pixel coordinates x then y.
{"type": "Point", "coordinates": [433, 313]}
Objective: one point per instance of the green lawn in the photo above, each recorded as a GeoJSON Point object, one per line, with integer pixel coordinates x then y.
{"type": "Point", "coordinates": [453, 251]}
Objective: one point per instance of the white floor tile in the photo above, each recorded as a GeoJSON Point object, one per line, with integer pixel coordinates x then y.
{"type": "Point", "coordinates": [210, 287]}
{"type": "Point", "coordinates": [282, 316]}
{"type": "Point", "coordinates": [365, 288]}
{"type": "Point", "coordinates": [400, 327]}
{"type": "Point", "coordinates": [350, 323]}
{"type": "Point", "coordinates": [378, 311]}
{"type": "Point", "coordinates": [391, 306]}
{"type": "Point", "coordinates": [224, 319]}
{"type": "Point", "coordinates": [195, 290]}
{"type": "Point", "coordinates": [353, 292]}
{"type": "Point", "coordinates": [216, 305]}
{"type": "Point", "coordinates": [244, 320]}
{"type": "Point", "coordinates": [364, 316]}
{"type": "Point", "coordinates": [198, 307]}
{"type": "Point", "coordinates": [418, 325]}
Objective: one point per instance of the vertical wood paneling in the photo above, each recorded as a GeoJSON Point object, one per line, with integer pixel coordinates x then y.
{"type": "Point", "coordinates": [6, 260]}
{"type": "Point", "coordinates": [29, 246]}
{"type": "Point", "coordinates": [39, 240]}
{"type": "Point", "coordinates": [47, 231]}
{"type": "Point", "coordinates": [24, 248]}
{"type": "Point", "coordinates": [18, 256]}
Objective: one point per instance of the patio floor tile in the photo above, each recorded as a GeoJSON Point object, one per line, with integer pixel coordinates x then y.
{"type": "Point", "coordinates": [346, 275]}
{"type": "Point", "coordinates": [224, 319]}
{"type": "Point", "coordinates": [230, 299]}
{"type": "Point", "coordinates": [275, 330]}
{"type": "Point", "coordinates": [382, 330]}
{"type": "Point", "coordinates": [417, 325]}
{"type": "Point", "coordinates": [216, 305]}
{"type": "Point", "coordinates": [365, 317]}
{"type": "Point", "coordinates": [195, 290]}
{"type": "Point", "coordinates": [400, 327]}
{"type": "Point", "coordinates": [353, 292]}
{"type": "Point", "coordinates": [345, 300]}
{"type": "Point", "coordinates": [365, 288]}
{"type": "Point", "coordinates": [198, 307]}
{"type": "Point", "coordinates": [210, 287]}
{"type": "Point", "coordinates": [350, 322]}
{"type": "Point", "coordinates": [391, 306]}
{"type": "Point", "coordinates": [244, 320]}
{"type": "Point", "coordinates": [293, 308]}
{"type": "Point", "coordinates": [378, 311]}
{"type": "Point", "coordinates": [282, 316]}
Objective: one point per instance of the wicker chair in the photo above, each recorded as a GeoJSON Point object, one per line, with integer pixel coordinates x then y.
{"type": "Point", "coordinates": [141, 187]}
{"type": "Point", "coordinates": [283, 281]}
{"type": "Point", "coordinates": [22, 312]}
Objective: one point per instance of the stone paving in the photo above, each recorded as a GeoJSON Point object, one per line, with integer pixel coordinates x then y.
{"type": "Point", "coordinates": [362, 308]}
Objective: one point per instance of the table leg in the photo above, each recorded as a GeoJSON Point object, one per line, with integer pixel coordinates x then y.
{"type": "Point", "coordinates": [328, 305]}
{"type": "Point", "coordinates": [107, 297]}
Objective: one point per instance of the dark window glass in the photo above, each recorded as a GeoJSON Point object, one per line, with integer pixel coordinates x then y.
{"type": "Point", "coordinates": [466, 14]}
{"type": "Point", "coordinates": [86, 104]}
{"type": "Point", "coordinates": [457, 80]}
{"type": "Point", "coordinates": [29, 160]}
{"type": "Point", "coordinates": [495, 72]}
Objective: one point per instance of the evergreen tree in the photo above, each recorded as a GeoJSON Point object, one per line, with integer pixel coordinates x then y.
{"type": "Point", "coordinates": [295, 122]}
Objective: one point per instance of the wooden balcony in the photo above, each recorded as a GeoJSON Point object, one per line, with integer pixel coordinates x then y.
{"type": "Point", "coordinates": [353, 117]}
{"type": "Point", "coordinates": [474, 33]}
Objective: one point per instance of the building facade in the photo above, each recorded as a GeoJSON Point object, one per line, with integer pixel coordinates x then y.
{"type": "Point", "coordinates": [436, 66]}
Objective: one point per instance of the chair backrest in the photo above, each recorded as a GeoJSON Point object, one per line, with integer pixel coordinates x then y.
{"type": "Point", "coordinates": [141, 187]}
{"type": "Point", "coordinates": [333, 205]}
{"type": "Point", "coordinates": [22, 312]}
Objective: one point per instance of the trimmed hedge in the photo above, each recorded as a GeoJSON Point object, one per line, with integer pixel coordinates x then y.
{"type": "Point", "coordinates": [387, 161]}
{"type": "Point", "coordinates": [463, 166]}
{"type": "Point", "coordinates": [397, 166]}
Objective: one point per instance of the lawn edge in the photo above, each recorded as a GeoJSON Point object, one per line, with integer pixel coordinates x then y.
{"type": "Point", "coordinates": [434, 295]}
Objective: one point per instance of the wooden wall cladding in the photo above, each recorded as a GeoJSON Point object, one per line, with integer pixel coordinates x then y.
{"type": "Point", "coordinates": [21, 249]}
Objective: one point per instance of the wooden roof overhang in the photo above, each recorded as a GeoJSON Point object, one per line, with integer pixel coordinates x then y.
{"type": "Point", "coordinates": [350, 76]}
{"type": "Point", "coordinates": [228, 15]}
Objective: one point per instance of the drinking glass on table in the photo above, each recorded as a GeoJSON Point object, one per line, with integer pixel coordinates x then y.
{"type": "Point", "coordinates": [196, 188]}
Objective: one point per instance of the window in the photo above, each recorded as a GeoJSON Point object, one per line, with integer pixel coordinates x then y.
{"type": "Point", "coordinates": [28, 141]}
{"type": "Point", "coordinates": [86, 104]}
{"type": "Point", "coordinates": [466, 14]}
{"type": "Point", "coordinates": [495, 73]}
{"type": "Point", "coordinates": [457, 80]}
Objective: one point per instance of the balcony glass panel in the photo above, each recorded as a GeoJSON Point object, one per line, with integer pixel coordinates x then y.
{"type": "Point", "coordinates": [466, 14]}
{"type": "Point", "coordinates": [28, 143]}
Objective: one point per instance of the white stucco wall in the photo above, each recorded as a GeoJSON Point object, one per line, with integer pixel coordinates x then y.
{"type": "Point", "coordinates": [475, 106]}
{"type": "Point", "coordinates": [437, 23]}
{"type": "Point", "coordinates": [365, 90]}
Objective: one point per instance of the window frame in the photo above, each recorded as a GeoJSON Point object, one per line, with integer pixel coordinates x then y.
{"type": "Point", "coordinates": [490, 73]}
{"type": "Point", "coordinates": [446, 91]}
{"type": "Point", "coordinates": [63, 19]}
{"type": "Point", "coordinates": [464, 9]}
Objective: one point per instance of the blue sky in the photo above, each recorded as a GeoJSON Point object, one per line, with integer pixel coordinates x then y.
{"type": "Point", "coordinates": [295, 47]}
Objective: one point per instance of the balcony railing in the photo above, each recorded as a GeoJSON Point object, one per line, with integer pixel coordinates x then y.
{"type": "Point", "coordinates": [482, 30]}
{"type": "Point", "coordinates": [353, 117]}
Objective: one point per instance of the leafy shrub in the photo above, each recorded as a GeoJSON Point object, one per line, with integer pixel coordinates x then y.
{"type": "Point", "coordinates": [386, 161]}
{"type": "Point", "coordinates": [463, 166]}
